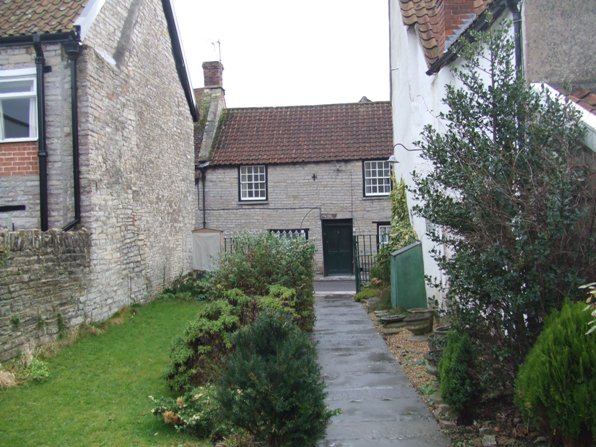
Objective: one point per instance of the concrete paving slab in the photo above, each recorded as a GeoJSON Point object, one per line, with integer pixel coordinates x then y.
{"type": "Point", "coordinates": [380, 408]}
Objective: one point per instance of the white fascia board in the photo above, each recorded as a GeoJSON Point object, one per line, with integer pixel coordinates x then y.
{"type": "Point", "coordinates": [587, 119]}
{"type": "Point", "coordinates": [88, 15]}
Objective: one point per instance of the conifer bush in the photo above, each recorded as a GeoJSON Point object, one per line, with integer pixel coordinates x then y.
{"type": "Point", "coordinates": [197, 356]}
{"type": "Point", "coordinates": [272, 386]}
{"type": "Point", "coordinates": [556, 385]}
{"type": "Point", "coordinates": [457, 388]}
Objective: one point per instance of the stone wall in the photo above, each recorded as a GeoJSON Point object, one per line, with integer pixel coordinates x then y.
{"type": "Point", "coordinates": [42, 277]}
{"type": "Point", "coordinates": [137, 167]}
{"type": "Point", "coordinates": [299, 196]}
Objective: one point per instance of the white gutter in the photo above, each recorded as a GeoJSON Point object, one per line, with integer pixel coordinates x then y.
{"type": "Point", "coordinates": [88, 16]}
{"type": "Point", "coordinates": [588, 119]}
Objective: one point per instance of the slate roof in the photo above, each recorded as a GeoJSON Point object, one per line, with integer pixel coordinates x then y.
{"type": "Point", "coordinates": [25, 17]}
{"type": "Point", "coordinates": [440, 22]}
{"type": "Point", "coordinates": [276, 135]}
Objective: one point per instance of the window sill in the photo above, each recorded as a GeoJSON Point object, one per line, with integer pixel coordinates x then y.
{"type": "Point", "coordinates": [18, 140]}
{"type": "Point", "coordinates": [253, 202]}
{"type": "Point", "coordinates": [375, 197]}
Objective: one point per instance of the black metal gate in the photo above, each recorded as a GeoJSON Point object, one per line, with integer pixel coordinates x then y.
{"type": "Point", "coordinates": [366, 247]}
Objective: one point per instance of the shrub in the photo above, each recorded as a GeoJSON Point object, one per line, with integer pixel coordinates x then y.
{"type": "Point", "coordinates": [508, 191]}
{"type": "Point", "coordinates": [272, 385]}
{"type": "Point", "coordinates": [556, 384]}
{"type": "Point", "coordinates": [258, 261]}
{"type": "Point", "coordinates": [457, 387]}
{"type": "Point", "coordinates": [197, 356]}
{"type": "Point", "coordinates": [196, 412]}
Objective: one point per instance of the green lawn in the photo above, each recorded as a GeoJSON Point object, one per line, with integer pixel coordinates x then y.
{"type": "Point", "coordinates": [97, 393]}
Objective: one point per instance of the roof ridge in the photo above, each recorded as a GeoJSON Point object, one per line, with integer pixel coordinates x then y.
{"type": "Point", "coordinates": [304, 106]}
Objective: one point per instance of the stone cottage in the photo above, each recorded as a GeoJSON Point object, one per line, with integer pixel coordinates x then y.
{"type": "Point", "coordinates": [320, 171]}
{"type": "Point", "coordinates": [96, 146]}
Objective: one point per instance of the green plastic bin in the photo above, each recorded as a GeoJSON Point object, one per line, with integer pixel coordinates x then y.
{"type": "Point", "coordinates": [408, 289]}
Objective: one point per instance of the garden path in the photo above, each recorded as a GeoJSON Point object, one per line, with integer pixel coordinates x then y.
{"type": "Point", "coordinates": [379, 406]}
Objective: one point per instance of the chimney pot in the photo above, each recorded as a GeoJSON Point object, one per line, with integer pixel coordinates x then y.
{"type": "Point", "coordinates": [212, 74]}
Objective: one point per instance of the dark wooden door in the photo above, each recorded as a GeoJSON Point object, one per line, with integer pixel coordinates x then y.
{"type": "Point", "coordinates": [337, 247]}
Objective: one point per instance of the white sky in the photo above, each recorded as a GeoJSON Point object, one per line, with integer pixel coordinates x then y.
{"type": "Point", "coordinates": [282, 52]}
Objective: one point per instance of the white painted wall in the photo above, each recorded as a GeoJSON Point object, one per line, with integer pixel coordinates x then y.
{"type": "Point", "coordinates": [416, 100]}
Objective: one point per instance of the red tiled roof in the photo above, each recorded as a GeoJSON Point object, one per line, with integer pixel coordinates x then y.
{"type": "Point", "coordinates": [24, 17]}
{"type": "Point", "coordinates": [437, 21]}
{"type": "Point", "coordinates": [275, 135]}
{"type": "Point", "coordinates": [585, 98]}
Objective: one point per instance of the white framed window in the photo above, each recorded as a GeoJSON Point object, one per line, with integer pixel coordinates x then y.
{"type": "Point", "coordinates": [377, 178]}
{"type": "Point", "coordinates": [383, 230]}
{"type": "Point", "coordinates": [252, 183]}
{"type": "Point", "coordinates": [18, 111]}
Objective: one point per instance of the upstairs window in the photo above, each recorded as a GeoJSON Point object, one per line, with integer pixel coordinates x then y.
{"type": "Point", "coordinates": [18, 112]}
{"type": "Point", "coordinates": [377, 178]}
{"type": "Point", "coordinates": [252, 183]}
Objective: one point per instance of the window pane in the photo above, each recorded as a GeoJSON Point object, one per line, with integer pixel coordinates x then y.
{"type": "Point", "coordinates": [15, 117]}
{"type": "Point", "coordinates": [25, 86]}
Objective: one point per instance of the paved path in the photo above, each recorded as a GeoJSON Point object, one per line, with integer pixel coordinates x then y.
{"type": "Point", "coordinates": [379, 406]}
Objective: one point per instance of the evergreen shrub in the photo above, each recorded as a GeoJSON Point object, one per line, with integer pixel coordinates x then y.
{"type": "Point", "coordinates": [457, 389]}
{"type": "Point", "coordinates": [272, 386]}
{"type": "Point", "coordinates": [198, 354]}
{"type": "Point", "coordinates": [556, 385]}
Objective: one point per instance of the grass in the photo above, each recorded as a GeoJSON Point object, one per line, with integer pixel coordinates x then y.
{"type": "Point", "coordinates": [97, 392]}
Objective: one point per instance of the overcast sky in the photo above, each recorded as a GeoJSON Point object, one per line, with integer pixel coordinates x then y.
{"type": "Point", "coordinates": [282, 52]}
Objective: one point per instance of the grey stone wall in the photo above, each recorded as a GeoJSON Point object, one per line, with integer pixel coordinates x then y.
{"type": "Point", "coordinates": [299, 196]}
{"type": "Point", "coordinates": [559, 41]}
{"type": "Point", "coordinates": [25, 189]}
{"type": "Point", "coordinates": [42, 276]}
{"type": "Point", "coordinates": [137, 167]}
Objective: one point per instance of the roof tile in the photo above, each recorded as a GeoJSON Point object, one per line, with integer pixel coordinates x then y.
{"type": "Point", "coordinates": [276, 135]}
{"type": "Point", "coordinates": [25, 17]}
{"type": "Point", "coordinates": [437, 21]}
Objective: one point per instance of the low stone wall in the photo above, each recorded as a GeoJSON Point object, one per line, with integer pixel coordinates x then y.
{"type": "Point", "coordinates": [43, 277]}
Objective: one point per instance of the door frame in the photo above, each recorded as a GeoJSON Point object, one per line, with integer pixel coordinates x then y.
{"type": "Point", "coordinates": [330, 223]}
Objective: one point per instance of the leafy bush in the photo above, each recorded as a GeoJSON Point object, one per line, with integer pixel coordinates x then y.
{"type": "Point", "coordinates": [272, 385]}
{"type": "Point", "coordinates": [197, 356]}
{"type": "Point", "coordinates": [556, 384]}
{"type": "Point", "coordinates": [197, 412]}
{"type": "Point", "coordinates": [258, 261]}
{"type": "Point", "coordinates": [457, 388]}
{"type": "Point", "coordinates": [38, 370]}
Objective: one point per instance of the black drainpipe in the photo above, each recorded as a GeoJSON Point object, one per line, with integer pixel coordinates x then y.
{"type": "Point", "coordinates": [72, 49]}
{"type": "Point", "coordinates": [515, 7]}
{"type": "Point", "coordinates": [203, 170]}
{"type": "Point", "coordinates": [41, 130]}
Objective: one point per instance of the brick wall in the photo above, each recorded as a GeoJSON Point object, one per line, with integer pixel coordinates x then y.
{"type": "Point", "coordinates": [42, 276]}
{"type": "Point", "coordinates": [296, 200]}
{"type": "Point", "coordinates": [18, 159]}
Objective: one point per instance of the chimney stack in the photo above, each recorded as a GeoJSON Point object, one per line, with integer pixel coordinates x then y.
{"type": "Point", "coordinates": [212, 74]}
